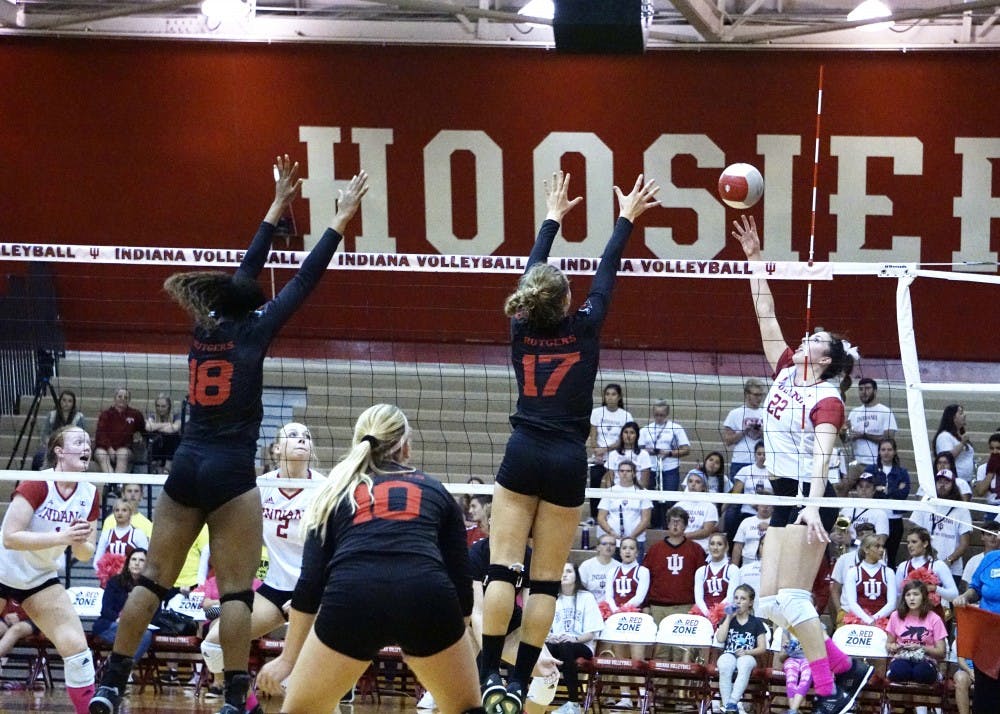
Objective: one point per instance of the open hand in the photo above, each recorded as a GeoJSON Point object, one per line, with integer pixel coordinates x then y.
{"type": "Point", "coordinates": [745, 231]}
{"type": "Point", "coordinates": [643, 196]}
{"type": "Point", "coordinates": [286, 180]}
{"type": "Point", "coordinates": [557, 198]}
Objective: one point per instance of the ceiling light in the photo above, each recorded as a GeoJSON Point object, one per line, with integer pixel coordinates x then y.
{"type": "Point", "coordinates": [870, 10]}
{"type": "Point", "coordinates": [226, 10]}
{"type": "Point", "coordinates": [539, 8]}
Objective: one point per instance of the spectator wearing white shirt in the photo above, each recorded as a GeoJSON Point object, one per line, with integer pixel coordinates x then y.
{"type": "Point", "coordinates": [576, 624]}
{"type": "Point", "coordinates": [606, 422]}
{"type": "Point", "coordinates": [703, 517]}
{"type": "Point", "coordinates": [746, 547]}
{"type": "Point", "coordinates": [622, 517]}
{"type": "Point", "coordinates": [751, 479]}
{"type": "Point", "coordinates": [667, 443]}
{"type": "Point", "coordinates": [866, 426]}
{"type": "Point", "coordinates": [988, 477]}
{"type": "Point", "coordinates": [743, 426]}
{"type": "Point", "coordinates": [949, 526]}
{"type": "Point", "coordinates": [628, 450]}
{"type": "Point", "coordinates": [596, 572]}
{"type": "Point", "coordinates": [952, 436]}
{"type": "Point", "coordinates": [865, 513]}
{"type": "Point", "coordinates": [923, 555]}
{"type": "Point", "coordinates": [848, 558]}
{"type": "Point", "coordinates": [990, 534]}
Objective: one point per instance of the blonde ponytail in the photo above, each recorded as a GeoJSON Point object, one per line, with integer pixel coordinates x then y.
{"type": "Point", "coordinates": [380, 434]}
{"type": "Point", "coordinates": [540, 298]}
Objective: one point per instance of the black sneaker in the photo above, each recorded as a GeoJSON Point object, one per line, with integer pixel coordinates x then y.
{"type": "Point", "coordinates": [493, 694]}
{"type": "Point", "coordinates": [513, 699]}
{"type": "Point", "coordinates": [229, 709]}
{"type": "Point", "coordinates": [854, 680]}
{"type": "Point", "coordinates": [106, 700]}
{"type": "Point", "coordinates": [837, 703]}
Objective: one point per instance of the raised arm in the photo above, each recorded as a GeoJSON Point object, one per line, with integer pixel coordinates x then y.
{"type": "Point", "coordinates": [286, 187]}
{"type": "Point", "coordinates": [770, 331]}
{"type": "Point", "coordinates": [558, 203]}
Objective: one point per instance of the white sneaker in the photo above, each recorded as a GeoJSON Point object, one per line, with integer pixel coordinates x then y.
{"type": "Point", "coordinates": [568, 708]}
{"type": "Point", "coordinates": [427, 701]}
{"type": "Point", "coordinates": [623, 703]}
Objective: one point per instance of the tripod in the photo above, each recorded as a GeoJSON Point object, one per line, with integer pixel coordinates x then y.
{"type": "Point", "coordinates": [42, 384]}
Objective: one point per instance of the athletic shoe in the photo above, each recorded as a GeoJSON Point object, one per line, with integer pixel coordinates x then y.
{"type": "Point", "coordinates": [854, 680]}
{"type": "Point", "coordinates": [106, 700]}
{"type": "Point", "coordinates": [229, 709]}
{"type": "Point", "coordinates": [493, 694]}
{"type": "Point", "coordinates": [513, 699]}
{"type": "Point", "coordinates": [213, 691]}
{"type": "Point", "coordinates": [623, 703]}
{"type": "Point", "coordinates": [837, 703]}
{"type": "Point", "coordinates": [568, 708]}
{"type": "Point", "coordinates": [427, 701]}
{"type": "Point", "coordinates": [732, 708]}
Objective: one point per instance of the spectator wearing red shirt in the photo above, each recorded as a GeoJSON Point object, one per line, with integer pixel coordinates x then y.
{"type": "Point", "coordinates": [117, 427]}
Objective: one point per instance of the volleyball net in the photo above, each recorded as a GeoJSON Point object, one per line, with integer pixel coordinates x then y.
{"type": "Point", "coordinates": [433, 340]}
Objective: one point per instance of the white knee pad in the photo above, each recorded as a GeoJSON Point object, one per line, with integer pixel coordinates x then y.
{"type": "Point", "coordinates": [79, 669]}
{"type": "Point", "coordinates": [796, 606]}
{"type": "Point", "coordinates": [212, 653]}
{"type": "Point", "coordinates": [541, 691]}
{"type": "Point", "coordinates": [767, 607]}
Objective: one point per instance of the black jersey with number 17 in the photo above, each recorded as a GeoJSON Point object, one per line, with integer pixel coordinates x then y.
{"type": "Point", "coordinates": [556, 367]}
{"type": "Point", "coordinates": [226, 362]}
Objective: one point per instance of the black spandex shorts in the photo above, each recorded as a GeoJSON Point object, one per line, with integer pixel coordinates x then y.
{"type": "Point", "coordinates": [407, 604]}
{"type": "Point", "coordinates": [276, 597]}
{"type": "Point", "coordinates": [19, 595]}
{"type": "Point", "coordinates": [550, 465]}
{"type": "Point", "coordinates": [784, 515]}
{"type": "Point", "coordinates": [206, 476]}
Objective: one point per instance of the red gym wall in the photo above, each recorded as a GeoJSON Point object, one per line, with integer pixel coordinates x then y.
{"type": "Point", "coordinates": [169, 144]}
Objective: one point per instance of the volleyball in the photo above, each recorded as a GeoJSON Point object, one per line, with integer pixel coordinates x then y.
{"type": "Point", "coordinates": [741, 186]}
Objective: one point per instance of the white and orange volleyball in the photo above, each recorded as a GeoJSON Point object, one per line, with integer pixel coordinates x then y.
{"type": "Point", "coordinates": [741, 186]}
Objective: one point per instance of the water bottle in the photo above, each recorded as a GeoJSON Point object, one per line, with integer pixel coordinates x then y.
{"type": "Point", "coordinates": [585, 537]}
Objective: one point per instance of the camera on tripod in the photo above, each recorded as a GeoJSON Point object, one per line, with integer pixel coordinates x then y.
{"type": "Point", "coordinates": [45, 361]}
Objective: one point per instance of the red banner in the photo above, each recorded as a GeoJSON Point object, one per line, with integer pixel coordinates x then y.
{"type": "Point", "coordinates": [168, 144]}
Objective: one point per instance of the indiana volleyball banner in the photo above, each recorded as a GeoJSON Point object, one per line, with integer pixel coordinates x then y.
{"type": "Point", "coordinates": [124, 143]}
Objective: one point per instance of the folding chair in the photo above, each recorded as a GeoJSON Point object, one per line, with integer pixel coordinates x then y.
{"type": "Point", "coordinates": [684, 678]}
{"type": "Point", "coordinates": [759, 688]}
{"type": "Point", "coordinates": [869, 643]}
{"type": "Point", "coordinates": [627, 628]}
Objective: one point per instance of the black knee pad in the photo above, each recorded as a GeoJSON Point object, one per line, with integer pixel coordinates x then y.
{"type": "Point", "coordinates": [545, 587]}
{"type": "Point", "coordinates": [244, 596]}
{"type": "Point", "coordinates": [513, 574]}
{"type": "Point", "coordinates": [154, 587]}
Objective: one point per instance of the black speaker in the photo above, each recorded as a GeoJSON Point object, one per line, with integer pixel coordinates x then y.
{"type": "Point", "coordinates": [598, 26]}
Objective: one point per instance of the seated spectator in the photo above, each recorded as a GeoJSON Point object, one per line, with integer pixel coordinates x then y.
{"type": "Point", "coordinates": [963, 679]}
{"type": "Point", "coordinates": [628, 451]}
{"type": "Point", "coordinates": [115, 594]}
{"type": "Point", "coordinates": [942, 461]}
{"type": "Point", "coordinates": [713, 469]}
{"type": "Point", "coordinates": [133, 493]}
{"type": "Point", "coordinates": [477, 525]}
{"type": "Point", "coordinates": [667, 443]}
{"type": "Point", "coordinates": [746, 549]}
{"type": "Point", "coordinates": [123, 537]}
{"type": "Point", "coordinates": [743, 637]}
{"type": "Point", "coordinates": [990, 533]}
{"type": "Point", "coordinates": [462, 499]}
{"type": "Point", "coordinates": [576, 624]}
{"type": "Point", "coordinates": [627, 591]}
{"type": "Point", "coordinates": [164, 431]}
{"type": "Point", "coordinates": [923, 564]}
{"type": "Point", "coordinates": [987, 482]}
{"type": "Point", "coordinates": [798, 674]}
{"type": "Point", "coordinates": [14, 627]}
{"type": "Point", "coordinates": [65, 415]}
{"type": "Point", "coordinates": [118, 428]}
{"type": "Point", "coordinates": [751, 479]}
{"type": "Point", "coordinates": [950, 526]}
{"type": "Point", "coordinates": [622, 517]}
{"type": "Point", "coordinates": [870, 585]}
{"type": "Point", "coordinates": [703, 517]}
{"type": "Point", "coordinates": [845, 550]}
{"type": "Point", "coordinates": [892, 481]}
{"type": "Point", "coordinates": [742, 427]}
{"type": "Point", "coordinates": [917, 637]}
{"type": "Point", "coordinates": [596, 572]}
{"type": "Point", "coordinates": [864, 513]}
{"type": "Point", "coordinates": [715, 582]}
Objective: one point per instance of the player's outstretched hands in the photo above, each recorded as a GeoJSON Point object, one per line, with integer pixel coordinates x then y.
{"type": "Point", "coordinates": [643, 196]}
{"type": "Point", "coordinates": [287, 183]}
{"type": "Point", "coordinates": [745, 231]}
{"type": "Point", "coordinates": [348, 201]}
{"type": "Point", "coordinates": [557, 198]}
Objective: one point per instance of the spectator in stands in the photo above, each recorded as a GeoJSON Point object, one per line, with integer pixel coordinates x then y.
{"type": "Point", "coordinates": [14, 627]}
{"type": "Point", "coordinates": [115, 594]}
{"type": "Point", "coordinates": [892, 481]}
{"type": "Point", "coordinates": [672, 564]}
{"type": "Point", "coordinates": [163, 428]}
{"type": "Point", "coordinates": [133, 492]}
{"type": "Point", "coordinates": [713, 469]}
{"type": "Point", "coordinates": [66, 414]}
{"type": "Point", "coordinates": [949, 526]}
{"type": "Point", "coordinates": [988, 477]}
{"type": "Point", "coordinates": [990, 533]}
{"type": "Point", "coordinates": [917, 637]}
{"type": "Point", "coordinates": [867, 425]}
{"type": "Point", "coordinates": [923, 556]}
{"type": "Point", "coordinates": [606, 422]}
{"type": "Point", "coordinates": [798, 677]}
{"type": "Point", "coordinates": [847, 553]}
{"type": "Point", "coordinates": [462, 499]}
{"type": "Point", "coordinates": [716, 580]}
{"type": "Point", "coordinates": [477, 526]}
{"type": "Point", "coordinates": [742, 427]}
{"type": "Point", "coordinates": [667, 443]}
{"type": "Point", "coordinates": [743, 637]}
{"type": "Point", "coordinates": [123, 537]}
{"type": "Point", "coordinates": [118, 428]}
{"type": "Point", "coordinates": [751, 479]}
{"type": "Point", "coordinates": [746, 549]}
{"type": "Point", "coordinates": [596, 572]}
{"type": "Point", "coordinates": [272, 460]}
{"type": "Point", "coordinates": [628, 450]}
{"type": "Point", "coordinates": [576, 624]}
{"type": "Point", "coordinates": [864, 513]}
{"type": "Point", "coordinates": [984, 588]}
{"type": "Point", "coordinates": [627, 592]}
{"type": "Point", "coordinates": [703, 517]}
{"type": "Point", "coordinates": [43, 518]}
{"type": "Point", "coordinates": [870, 586]}
{"type": "Point", "coordinates": [952, 437]}
{"type": "Point", "coordinates": [622, 517]}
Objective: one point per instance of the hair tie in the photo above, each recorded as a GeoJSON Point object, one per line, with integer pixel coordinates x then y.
{"type": "Point", "coordinates": [851, 350]}
{"type": "Point", "coordinates": [375, 443]}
